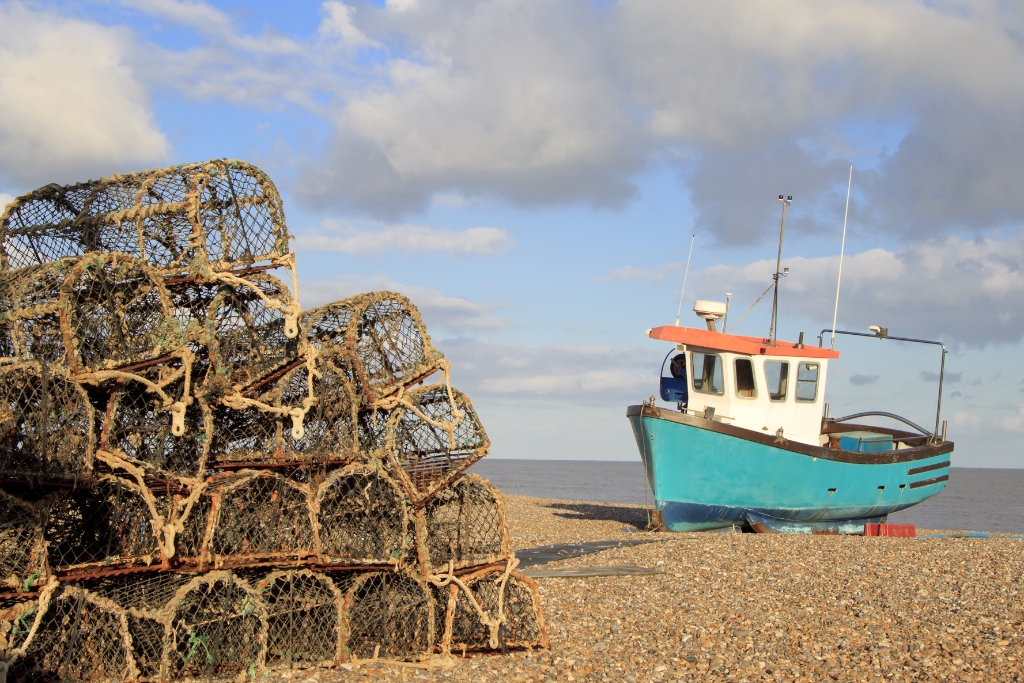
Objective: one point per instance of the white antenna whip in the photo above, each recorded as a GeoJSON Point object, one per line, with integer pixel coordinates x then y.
{"type": "Point", "coordinates": [842, 249]}
{"type": "Point", "coordinates": [685, 275]}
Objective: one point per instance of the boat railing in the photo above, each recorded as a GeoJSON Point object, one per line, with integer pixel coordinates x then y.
{"type": "Point", "coordinates": [883, 333]}
{"type": "Point", "coordinates": [925, 434]}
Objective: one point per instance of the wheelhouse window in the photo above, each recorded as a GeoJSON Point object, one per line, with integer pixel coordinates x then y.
{"type": "Point", "coordinates": [745, 387]}
{"type": "Point", "coordinates": [707, 373]}
{"type": "Point", "coordinates": [806, 381]}
{"type": "Point", "coordinates": [776, 375]}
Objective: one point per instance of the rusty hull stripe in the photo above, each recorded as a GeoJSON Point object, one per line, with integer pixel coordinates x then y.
{"type": "Point", "coordinates": [929, 482]}
{"type": "Point", "coordinates": [856, 458]}
{"type": "Point", "coordinates": [927, 468]}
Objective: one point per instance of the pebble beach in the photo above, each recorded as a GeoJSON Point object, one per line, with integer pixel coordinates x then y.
{"type": "Point", "coordinates": [750, 607]}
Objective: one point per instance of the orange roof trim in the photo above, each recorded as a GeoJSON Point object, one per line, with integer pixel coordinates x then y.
{"type": "Point", "coordinates": [734, 343]}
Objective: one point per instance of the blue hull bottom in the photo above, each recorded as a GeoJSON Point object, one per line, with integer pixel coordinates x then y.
{"type": "Point", "coordinates": [701, 517]}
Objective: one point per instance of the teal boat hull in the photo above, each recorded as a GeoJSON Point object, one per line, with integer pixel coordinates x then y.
{"type": "Point", "coordinates": [708, 475]}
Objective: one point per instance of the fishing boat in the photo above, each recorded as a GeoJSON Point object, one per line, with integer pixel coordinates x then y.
{"type": "Point", "coordinates": [749, 443]}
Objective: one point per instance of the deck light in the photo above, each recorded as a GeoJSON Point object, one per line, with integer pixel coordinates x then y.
{"type": "Point", "coordinates": [880, 332]}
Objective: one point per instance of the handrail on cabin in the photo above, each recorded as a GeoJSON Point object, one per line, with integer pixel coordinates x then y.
{"type": "Point", "coordinates": [881, 414]}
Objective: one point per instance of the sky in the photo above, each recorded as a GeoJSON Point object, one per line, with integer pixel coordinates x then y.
{"type": "Point", "coordinates": [530, 174]}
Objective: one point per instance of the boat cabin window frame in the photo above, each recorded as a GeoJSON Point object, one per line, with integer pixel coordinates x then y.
{"type": "Point", "coordinates": [708, 373]}
{"type": "Point", "coordinates": [782, 394]}
{"type": "Point", "coordinates": [803, 384]}
{"type": "Point", "coordinates": [748, 391]}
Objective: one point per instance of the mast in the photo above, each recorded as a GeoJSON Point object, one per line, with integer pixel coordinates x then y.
{"type": "Point", "coordinates": [778, 263]}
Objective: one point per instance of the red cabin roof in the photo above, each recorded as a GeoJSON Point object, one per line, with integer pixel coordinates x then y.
{"type": "Point", "coordinates": [719, 341]}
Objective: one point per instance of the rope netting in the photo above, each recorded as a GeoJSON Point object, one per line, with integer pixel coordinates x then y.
{"type": "Point", "coordinates": [463, 526]}
{"type": "Point", "coordinates": [382, 335]}
{"type": "Point", "coordinates": [222, 213]}
{"type": "Point", "coordinates": [22, 551]}
{"type": "Point", "coordinates": [200, 480]}
{"type": "Point", "coordinates": [47, 424]}
{"type": "Point", "coordinates": [495, 592]}
{"type": "Point", "coordinates": [432, 437]}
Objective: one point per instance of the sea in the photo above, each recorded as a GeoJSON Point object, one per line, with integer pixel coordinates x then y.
{"type": "Point", "coordinates": [974, 499]}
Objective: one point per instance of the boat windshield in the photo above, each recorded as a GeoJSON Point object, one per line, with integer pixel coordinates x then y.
{"type": "Point", "coordinates": [707, 376]}
{"type": "Point", "coordinates": [806, 381]}
{"type": "Point", "coordinates": [776, 374]}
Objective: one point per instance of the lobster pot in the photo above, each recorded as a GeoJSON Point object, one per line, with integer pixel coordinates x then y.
{"type": "Point", "coordinates": [116, 313]}
{"type": "Point", "coordinates": [22, 552]}
{"type": "Point", "coordinates": [79, 637]}
{"type": "Point", "coordinates": [247, 324]}
{"type": "Point", "coordinates": [361, 517]}
{"type": "Point", "coordinates": [284, 427]}
{"type": "Point", "coordinates": [48, 424]}
{"type": "Point", "coordinates": [139, 426]}
{"type": "Point", "coordinates": [303, 619]}
{"type": "Point", "coordinates": [512, 602]}
{"type": "Point", "coordinates": [29, 312]}
{"type": "Point", "coordinates": [383, 338]}
{"type": "Point", "coordinates": [143, 598]}
{"type": "Point", "coordinates": [432, 437]}
{"type": "Point", "coordinates": [259, 517]}
{"type": "Point", "coordinates": [220, 214]}
{"type": "Point", "coordinates": [463, 526]}
{"type": "Point", "coordinates": [111, 525]}
{"type": "Point", "coordinates": [388, 615]}
{"type": "Point", "coordinates": [218, 627]}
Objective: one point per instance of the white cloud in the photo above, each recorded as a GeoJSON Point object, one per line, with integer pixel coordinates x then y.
{"type": "Point", "coordinates": [5, 199]}
{"type": "Point", "coordinates": [969, 291]}
{"type": "Point", "coordinates": [408, 238]}
{"type": "Point", "coordinates": [1014, 422]}
{"type": "Point", "coordinates": [73, 105]}
{"type": "Point", "coordinates": [580, 374]}
{"type": "Point", "coordinates": [441, 313]}
{"type": "Point", "coordinates": [634, 274]}
{"type": "Point", "coordinates": [339, 23]}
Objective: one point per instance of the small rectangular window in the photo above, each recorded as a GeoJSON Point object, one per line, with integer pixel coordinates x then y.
{"type": "Point", "coordinates": [707, 373]}
{"type": "Point", "coordinates": [776, 375]}
{"type": "Point", "coordinates": [806, 381]}
{"type": "Point", "coordinates": [745, 378]}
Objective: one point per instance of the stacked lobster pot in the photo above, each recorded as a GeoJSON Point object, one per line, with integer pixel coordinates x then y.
{"type": "Point", "coordinates": [198, 478]}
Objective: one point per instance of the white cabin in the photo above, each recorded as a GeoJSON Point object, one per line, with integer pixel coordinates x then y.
{"type": "Point", "coordinates": [774, 388]}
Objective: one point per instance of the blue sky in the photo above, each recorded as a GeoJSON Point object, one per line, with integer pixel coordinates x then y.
{"type": "Point", "coordinates": [530, 173]}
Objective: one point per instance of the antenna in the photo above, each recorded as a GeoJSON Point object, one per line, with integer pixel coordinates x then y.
{"type": "Point", "coordinates": [842, 250]}
{"type": "Point", "coordinates": [685, 275]}
{"type": "Point", "coordinates": [778, 263]}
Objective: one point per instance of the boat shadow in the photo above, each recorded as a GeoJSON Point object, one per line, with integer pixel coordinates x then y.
{"type": "Point", "coordinates": [635, 516]}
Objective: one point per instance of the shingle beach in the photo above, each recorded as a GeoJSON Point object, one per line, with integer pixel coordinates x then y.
{"type": "Point", "coordinates": [748, 607]}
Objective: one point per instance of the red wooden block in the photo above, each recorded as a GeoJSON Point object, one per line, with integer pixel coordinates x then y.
{"type": "Point", "coordinates": [891, 530]}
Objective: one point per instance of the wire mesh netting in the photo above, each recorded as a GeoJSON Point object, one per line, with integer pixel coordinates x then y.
{"type": "Point", "coordinates": [17, 616]}
{"type": "Point", "coordinates": [432, 437]}
{"type": "Point", "coordinates": [218, 626]}
{"type": "Point", "coordinates": [223, 213]}
{"type": "Point", "coordinates": [116, 312]}
{"type": "Point", "coordinates": [388, 615]}
{"type": "Point", "coordinates": [509, 601]}
{"type": "Point", "coordinates": [384, 336]}
{"type": "Point", "coordinates": [303, 619]}
{"type": "Point", "coordinates": [139, 426]}
{"type": "Point", "coordinates": [47, 424]}
{"type": "Point", "coordinates": [22, 552]}
{"type": "Point", "coordinates": [30, 313]}
{"type": "Point", "coordinates": [77, 636]}
{"type": "Point", "coordinates": [259, 517]}
{"type": "Point", "coordinates": [362, 517]}
{"type": "Point", "coordinates": [463, 526]}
